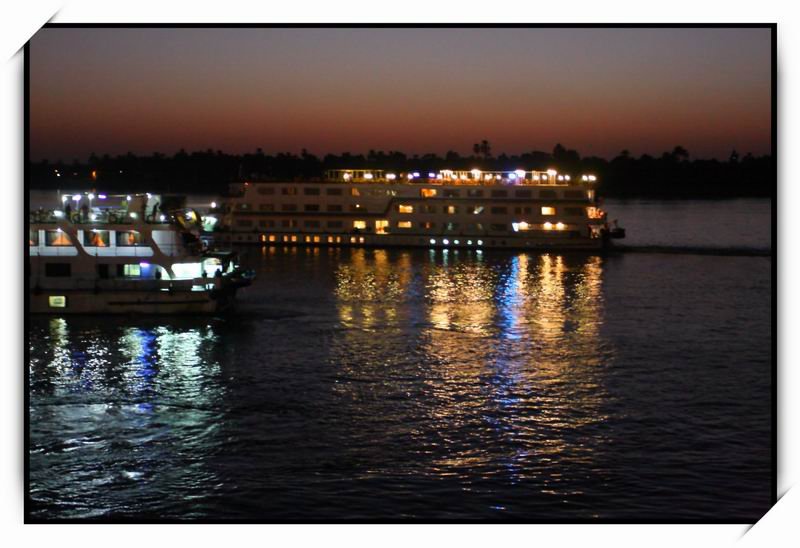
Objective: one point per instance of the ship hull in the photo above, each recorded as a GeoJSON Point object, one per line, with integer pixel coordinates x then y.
{"type": "Point", "coordinates": [67, 301]}
{"type": "Point", "coordinates": [551, 243]}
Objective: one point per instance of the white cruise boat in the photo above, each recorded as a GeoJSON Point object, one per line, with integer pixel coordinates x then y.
{"type": "Point", "coordinates": [99, 254]}
{"type": "Point", "coordinates": [468, 209]}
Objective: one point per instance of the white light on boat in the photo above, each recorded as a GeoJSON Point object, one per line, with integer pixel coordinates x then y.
{"type": "Point", "coordinates": [58, 229]}
{"type": "Point", "coordinates": [548, 226]}
{"type": "Point", "coordinates": [90, 196]}
{"type": "Point", "coordinates": [463, 177]}
{"type": "Point", "coordinates": [149, 195]}
{"type": "Point", "coordinates": [144, 265]}
{"type": "Point", "coordinates": [592, 178]}
{"type": "Point", "coordinates": [512, 176]}
{"type": "Point", "coordinates": [58, 175]}
{"type": "Point", "coordinates": [133, 214]}
{"type": "Point", "coordinates": [391, 176]}
{"type": "Point", "coordinates": [213, 205]}
{"type": "Point", "coordinates": [431, 175]}
{"type": "Point", "coordinates": [480, 242]}
{"type": "Point", "coordinates": [102, 196]}
{"type": "Point", "coordinates": [128, 197]}
{"type": "Point", "coordinates": [416, 174]}
{"type": "Point", "coordinates": [346, 176]}
{"type": "Point", "coordinates": [439, 176]}
{"type": "Point", "coordinates": [535, 177]}
{"type": "Point", "coordinates": [497, 177]}
{"type": "Point", "coordinates": [446, 241]}
{"type": "Point", "coordinates": [584, 178]}
{"type": "Point", "coordinates": [520, 173]}
{"type": "Point", "coordinates": [368, 175]}
{"type": "Point", "coordinates": [162, 218]}
{"type": "Point", "coordinates": [566, 177]}
{"type": "Point", "coordinates": [560, 226]}
{"type": "Point", "coordinates": [456, 242]}
{"type": "Point", "coordinates": [560, 177]}
{"type": "Point", "coordinates": [551, 172]}
{"type": "Point", "coordinates": [433, 242]}
{"type": "Point", "coordinates": [469, 242]}
{"type": "Point", "coordinates": [58, 214]}
{"type": "Point", "coordinates": [65, 197]}
{"type": "Point", "coordinates": [77, 197]}
{"type": "Point", "coordinates": [93, 217]}
{"type": "Point", "coordinates": [476, 173]}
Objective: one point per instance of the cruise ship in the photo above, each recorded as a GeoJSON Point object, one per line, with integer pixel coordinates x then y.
{"type": "Point", "coordinates": [444, 209]}
{"type": "Point", "coordinates": [101, 254]}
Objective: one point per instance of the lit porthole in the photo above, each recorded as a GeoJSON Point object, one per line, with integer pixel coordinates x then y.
{"type": "Point", "coordinates": [446, 242]}
{"type": "Point", "coordinates": [480, 242]}
{"type": "Point", "coordinates": [433, 242]}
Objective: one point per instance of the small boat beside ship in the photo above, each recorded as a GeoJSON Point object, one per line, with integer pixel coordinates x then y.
{"type": "Point", "coordinates": [126, 254]}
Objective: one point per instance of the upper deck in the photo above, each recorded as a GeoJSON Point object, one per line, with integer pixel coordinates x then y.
{"type": "Point", "coordinates": [550, 177]}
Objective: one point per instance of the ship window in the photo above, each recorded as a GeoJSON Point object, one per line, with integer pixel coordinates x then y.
{"type": "Point", "coordinates": [333, 191]}
{"type": "Point", "coordinates": [335, 207]}
{"type": "Point", "coordinates": [499, 210]}
{"type": "Point", "coordinates": [451, 193]}
{"type": "Point", "coordinates": [547, 210]}
{"type": "Point", "coordinates": [451, 226]}
{"type": "Point", "coordinates": [548, 194]}
{"type": "Point", "coordinates": [404, 224]}
{"type": "Point", "coordinates": [129, 270]}
{"type": "Point", "coordinates": [57, 301]}
{"type": "Point", "coordinates": [355, 192]}
{"type": "Point", "coordinates": [474, 193]}
{"type": "Point", "coordinates": [56, 238]}
{"type": "Point", "coordinates": [96, 238]}
{"type": "Point", "coordinates": [244, 222]}
{"type": "Point", "coordinates": [475, 210]}
{"type": "Point", "coordinates": [427, 192]}
{"type": "Point", "coordinates": [311, 191]}
{"type": "Point", "coordinates": [33, 237]}
{"type": "Point", "coordinates": [381, 226]}
{"type": "Point", "coordinates": [427, 225]}
{"type": "Point", "coordinates": [263, 189]}
{"type": "Point", "coordinates": [499, 193]}
{"type": "Point", "coordinates": [289, 207]}
{"type": "Point", "coordinates": [523, 194]}
{"type": "Point", "coordinates": [312, 207]}
{"type": "Point", "coordinates": [576, 194]}
{"type": "Point", "coordinates": [360, 225]}
{"type": "Point", "coordinates": [58, 270]}
{"type": "Point", "coordinates": [335, 224]}
{"type": "Point", "coordinates": [289, 191]}
{"type": "Point", "coordinates": [497, 227]}
{"type": "Point", "coordinates": [128, 238]}
{"type": "Point", "coordinates": [311, 224]}
{"type": "Point", "coordinates": [404, 208]}
{"type": "Point", "coordinates": [266, 207]}
{"type": "Point", "coordinates": [451, 210]}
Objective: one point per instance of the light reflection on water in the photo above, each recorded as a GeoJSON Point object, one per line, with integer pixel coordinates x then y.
{"type": "Point", "coordinates": [382, 383]}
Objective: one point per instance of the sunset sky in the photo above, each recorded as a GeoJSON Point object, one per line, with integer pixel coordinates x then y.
{"type": "Point", "coordinates": [415, 90]}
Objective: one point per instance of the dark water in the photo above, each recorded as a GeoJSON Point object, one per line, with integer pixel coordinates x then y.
{"type": "Point", "coordinates": [392, 384]}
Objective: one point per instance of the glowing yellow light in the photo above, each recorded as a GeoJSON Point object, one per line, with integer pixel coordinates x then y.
{"type": "Point", "coordinates": [391, 176]}
{"type": "Point", "coordinates": [520, 173]}
{"type": "Point", "coordinates": [360, 225]}
{"type": "Point", "coordinates": [476, 173]}
{"type": "Point", "coordinates": [560, 226]}
{"type": "Point", "coordinates": [403, 208]}
{"type": "Point", "coordinates": [551, 172]}
{"type": "Point", "coordinates": [548, 226]}
{"type": "Point", "coordinates": [368, 175]}
{"type": "Point", "coordinates": [566, 177]}
{"type": "Point", "coordinates": [346, 176]}
{"type": "Point", "coordinates": [592, 178]}
{"type": "Point", "coordinates": [548, 210]}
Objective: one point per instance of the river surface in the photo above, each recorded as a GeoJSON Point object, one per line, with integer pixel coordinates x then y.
{"type": "Point", "coordinates": [414, 384]}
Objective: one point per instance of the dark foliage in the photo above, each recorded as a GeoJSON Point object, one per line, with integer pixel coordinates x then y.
{"type": "Point", "coordinates": [672, 175]}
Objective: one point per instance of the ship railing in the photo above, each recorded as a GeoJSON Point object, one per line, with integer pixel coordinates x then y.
{"type": "Point", "coordinates": [154, 285]}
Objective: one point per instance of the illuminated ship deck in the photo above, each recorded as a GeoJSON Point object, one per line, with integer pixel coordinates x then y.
{"type": "Point", "coordinates": [477, 209]}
